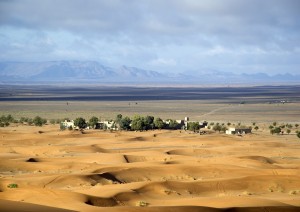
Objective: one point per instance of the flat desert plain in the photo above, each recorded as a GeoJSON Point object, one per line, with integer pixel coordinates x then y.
{"type": "Point", "coordinates": [157, 170]}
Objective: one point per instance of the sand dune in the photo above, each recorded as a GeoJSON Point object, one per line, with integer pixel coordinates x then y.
{"type": "Point", "coordinates": [146, 171]}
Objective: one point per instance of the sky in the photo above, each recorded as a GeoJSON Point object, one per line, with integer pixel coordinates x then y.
{"type": "Point", "coordinates": [169, 36]}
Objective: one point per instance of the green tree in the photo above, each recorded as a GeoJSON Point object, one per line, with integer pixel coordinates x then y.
{"type": "Point", "coordinates": [149, 122]}
{"type": "Point", "coordinates": [80, 123]}
{"type": "Point", "coordinates": [173, 124]}
{"type": "Point", "coordinates": [276, 130]}
{"type": "Point", "coordinates": [274, 123]}
{"type": "Point", "coordinates": [158, 123]}
{"type": "Point", "coordinates": [223, 129]}
{"type": "Point", "coordinates": [93, 121]}
{"type": "Point", "coordinates": [38, 121]}
{"type": "Point", "coordinates": [125, 123]}
{"type": "Point", "coordinates": [298, 134]}
{"type": "Point", "coordinates": [296, 125]}
{"type": "Point", "coordinates": [217, 128]}
{"type": "Point", "coordinates": [138, 124]}
{"type": "Point", "coordinates": [253, 123]}
{"type": "Point", "coordinates": [193, 126]}
{"type": "Point", "coordinates": [256, 128]}
{"type": "Point", "coordinates": [288, 131]}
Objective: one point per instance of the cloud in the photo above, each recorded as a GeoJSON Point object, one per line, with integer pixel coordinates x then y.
{"type": "Point", "coordinates": [136, 32]}
{"type": "Point", "coordinates": [163, 62]}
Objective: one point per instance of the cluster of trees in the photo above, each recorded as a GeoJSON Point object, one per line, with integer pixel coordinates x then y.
{"type": "Point", "coordinates": [37, 121]}
{"type": "Point", "coordinates": [7, 120]}
{"type": "Point", "coordinates": [282, 128]}
{"type": "Point", "coordinates": [137, 123]}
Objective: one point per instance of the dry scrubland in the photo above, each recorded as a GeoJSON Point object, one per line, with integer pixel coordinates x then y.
{"type": "Point", "coordinates": [196, 109]}
{"type": "Point", "coordinates": [150, 171]}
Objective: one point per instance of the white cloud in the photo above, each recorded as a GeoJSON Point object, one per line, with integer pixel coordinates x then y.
{"type": "Point", "coordinates": [171, 34]}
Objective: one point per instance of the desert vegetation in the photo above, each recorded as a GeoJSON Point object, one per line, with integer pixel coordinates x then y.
{"type": "Point", "coordinates": [148, 122]}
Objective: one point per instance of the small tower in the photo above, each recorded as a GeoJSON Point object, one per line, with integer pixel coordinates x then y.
{"type": "Point", "coordinates": [186, 120]}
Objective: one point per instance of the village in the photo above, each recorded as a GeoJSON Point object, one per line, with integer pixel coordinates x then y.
{"type": "Point", "coordinates": [148, 123]}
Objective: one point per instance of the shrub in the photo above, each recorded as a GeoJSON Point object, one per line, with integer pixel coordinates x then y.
{"type": "Point", "coordinates": [38, 121]}
{"type": "Point", "coordinates": [298, 134]}
{"type": "Point", "coordinates": [12, 185]}
{"type": "Point", "coordinates": [62, 126]}
{"type": "Point", "coordinates": [276, 130]}
{"type": "Point", "coordinates": [223, 129]}
{"type": "Point", "coordinates": [142, 203]}
{"type": "Point", "coordinates": [217, 128]}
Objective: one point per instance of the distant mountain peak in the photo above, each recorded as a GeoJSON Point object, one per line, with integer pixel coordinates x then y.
{"type": "Point", "coordinates": [92, 71]}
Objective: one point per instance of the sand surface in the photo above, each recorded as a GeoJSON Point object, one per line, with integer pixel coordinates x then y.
{"type": "Point", "coordinates": [163, 170]}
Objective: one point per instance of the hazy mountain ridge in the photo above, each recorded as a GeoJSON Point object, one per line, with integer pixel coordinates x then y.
{"type": "Point", "coordinates": [91, 71]}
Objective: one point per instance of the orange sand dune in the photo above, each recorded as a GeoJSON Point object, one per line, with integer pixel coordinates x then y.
{"type": "Point", "coordinates": [147, 171]}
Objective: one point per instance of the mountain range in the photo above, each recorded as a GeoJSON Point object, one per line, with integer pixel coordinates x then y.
{"type": "Point", "coordinates": [94, 72]}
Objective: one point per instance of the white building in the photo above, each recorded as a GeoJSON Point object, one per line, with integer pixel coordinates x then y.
{"type": "Point", "coordinates": [68, 123]}
{"type": "Point", "coordinates": [238, 131]}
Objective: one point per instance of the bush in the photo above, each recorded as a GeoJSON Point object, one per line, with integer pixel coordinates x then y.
{"type": "Point", "coordinates": [142, 203]}
{"type": "Point", "coordinates": [12, 185]}
{"type": "Point", "coordinates": [62, 126]}
{"type": "Point", "coordinates": [217, 128]}
{"type": "Point", "coordinates": [223, 129]}
{"type": "Point", "coordinates": [298, 134]}
{"type": "Point", "coordinates": [38, 121]}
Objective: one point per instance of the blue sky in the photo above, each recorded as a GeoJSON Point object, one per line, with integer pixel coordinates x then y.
{"type": "Point", "coordinates": [240, 36]}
